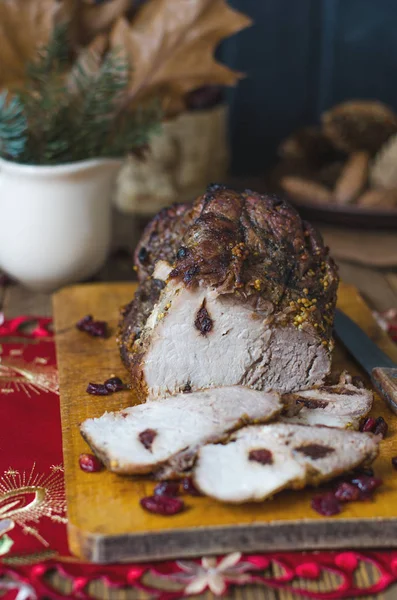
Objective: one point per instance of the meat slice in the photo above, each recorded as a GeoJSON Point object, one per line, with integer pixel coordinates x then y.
{"type": "Point", "coordinates": [166, 434]}
{"type": "Point", "coordinates": [262, 460]}
{"type": "Point", "coordinates": [342, 405]}
{"type": "Point", "coordinates": [211, 340]}
{"type": "Point", "coordinates": [249, 300]}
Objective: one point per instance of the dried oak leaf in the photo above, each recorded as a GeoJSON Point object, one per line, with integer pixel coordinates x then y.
{"type": "Point", "coordinates": [359, 125]}
{"type": "Point", "coordinates": [89, 20]}
{"type": "Point", "coordinates": [171, 45]}
{"type": "Point", "coordinates": [25, 26]}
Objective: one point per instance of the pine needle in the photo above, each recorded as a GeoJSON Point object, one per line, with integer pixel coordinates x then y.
{"type": "Point", "coordinates": [52, 122]}
{"type": "Point", "coordinates": [13, 127]}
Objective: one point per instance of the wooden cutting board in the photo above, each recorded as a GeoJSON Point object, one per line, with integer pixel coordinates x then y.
{"type": "Point", "coordinates": [106, 522]}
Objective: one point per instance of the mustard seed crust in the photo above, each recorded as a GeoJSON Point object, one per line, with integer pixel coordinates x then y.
{"type": "Point", "coordinates": [251, 247]}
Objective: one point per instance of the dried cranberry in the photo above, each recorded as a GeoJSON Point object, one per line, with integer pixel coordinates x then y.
{"type": "Point", "coordinates": [189, 487]}
{"type": "Point", "coordinates": [90, 463]}
{"type": "Point", "coordinates": [366, 484]}
{"type": "Point", "coordinates": [94, 328]}
{"type": "Point", "coordinates": [312, 403]}
{"type": "Point", "coordinates": [97, 329]}
{"type": "Point", "coordinates": [203, 321]}
{"type": "Point", "coordinates": [114, 384]}
{"type": "Point", "coordinates": [326, 504]}
{"type": "Point", "coordinates": [261, 455]}
{"type": "Point", "coordinates": [167, 488]}
{"type": "Point", "coordinates": [347, 492]}
{"type": "Point", "coordinates": [147, 438]}
{"type": "Point", "coordinates": [394, 462]}
{"type": "Point", "coordinates": [368, 425]}
{"type": "Point", "coordinates": [162, 505]}
{"type": "Point", "coordinates": [82, 324]}
{"type": "Point", "coordinates": [98, 389]}
{"type": "Point", "coordinates": [315, 451]}
{"type": "Point", "coordinates": [381, 427]}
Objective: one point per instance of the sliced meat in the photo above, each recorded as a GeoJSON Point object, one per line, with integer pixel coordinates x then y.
{"type": "Point", "coordinates": [259, 461]}
{"type": "Point", "coordinates": [342, 405]}
{"type": "Point", "coordinates": [215, 340]}
{"type": "Point", "coordinates": [166, 434]}
{"type": "Point", "coordinates": [249, 300]}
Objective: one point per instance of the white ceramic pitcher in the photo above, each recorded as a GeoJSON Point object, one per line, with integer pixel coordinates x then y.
{"type": "Point", "coordinates": [55, 221]}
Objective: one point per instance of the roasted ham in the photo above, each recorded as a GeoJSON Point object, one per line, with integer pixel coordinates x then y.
{"type": "Point", "coordinates": [244, 295]}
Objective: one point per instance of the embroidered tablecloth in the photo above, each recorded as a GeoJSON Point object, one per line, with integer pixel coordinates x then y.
{"type": "Point", "coordinates": [33, 541]}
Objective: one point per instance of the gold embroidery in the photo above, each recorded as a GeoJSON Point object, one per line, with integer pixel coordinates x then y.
{"type": "Point", "coordinates": [40, 360]}
{"type": "Point", "coordinates": [35, 379]}
{"type": "Point", "coordinates": [26, 498]}
{"type": "Point", "coordinates": [57, 468]}
{"type": "Point", "coordinates": [29, 559]}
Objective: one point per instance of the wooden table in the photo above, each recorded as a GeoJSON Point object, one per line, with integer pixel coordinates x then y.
{"type": "Point", "coordinates": [377, 285]}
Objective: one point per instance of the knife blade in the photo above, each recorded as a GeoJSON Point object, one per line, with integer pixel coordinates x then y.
{"type": "Point", "coordinates": [380, 367]}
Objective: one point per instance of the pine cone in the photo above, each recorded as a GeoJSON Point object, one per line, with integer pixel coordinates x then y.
{"type": "Point", "coordinates": [384, 167]}
{"type": "Point", "coordinates": [359, 125]}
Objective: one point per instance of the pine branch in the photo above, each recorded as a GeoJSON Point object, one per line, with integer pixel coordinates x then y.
{"type": "Point", "coordinates": [13, 127]}
{"type": "Point", "coordinates": [53, 122]}
{"type": "Point", "coordinates": [50, 58]}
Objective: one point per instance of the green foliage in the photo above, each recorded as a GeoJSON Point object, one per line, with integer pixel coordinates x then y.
{"type": "Point", "coordinates": [65, 116]}
{"type": "Point", "coordinates": [53, 57]}
{"type": "Point", "coordinates": [13, 127]}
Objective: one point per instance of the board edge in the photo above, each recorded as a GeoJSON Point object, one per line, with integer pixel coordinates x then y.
{"type": "Point", "coordinates": [264, 537]}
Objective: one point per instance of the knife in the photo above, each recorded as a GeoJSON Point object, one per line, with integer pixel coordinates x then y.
{"type": "Point", "coordinates": [381, 368]}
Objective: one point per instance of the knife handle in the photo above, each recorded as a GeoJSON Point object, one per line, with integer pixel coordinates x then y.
{"type": "Point", "coordinates": [385, 380]}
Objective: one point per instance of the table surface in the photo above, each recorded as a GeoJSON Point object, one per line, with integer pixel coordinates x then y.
{"type": "Point", "coordinates": [377, 285]}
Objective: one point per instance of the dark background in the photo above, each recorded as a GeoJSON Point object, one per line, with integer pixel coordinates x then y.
{"type": "Point", "coordinates": [301, 57]}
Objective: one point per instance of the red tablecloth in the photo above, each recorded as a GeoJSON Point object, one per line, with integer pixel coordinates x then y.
{"type": "Point", "coordinates": [32, 503]}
